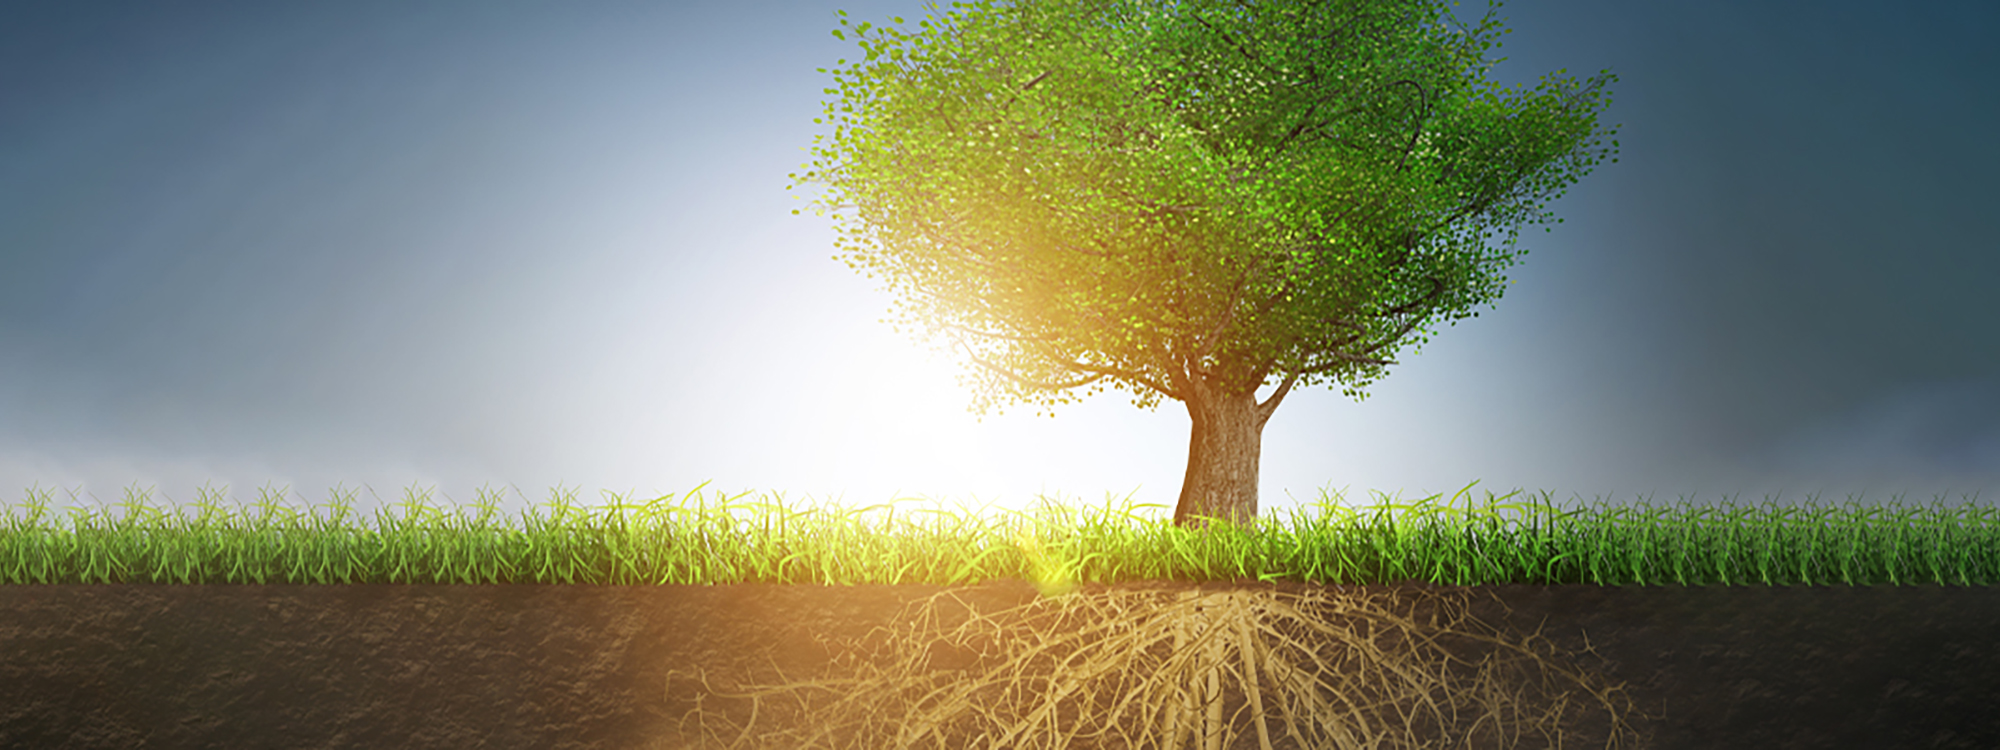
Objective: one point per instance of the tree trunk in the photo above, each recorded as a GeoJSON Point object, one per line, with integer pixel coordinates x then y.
{"type": "Point", "coordinates": [1223, 451]}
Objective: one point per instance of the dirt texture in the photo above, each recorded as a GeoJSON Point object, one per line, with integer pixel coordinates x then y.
{"type": "Point", "coordinates": [525, 666]}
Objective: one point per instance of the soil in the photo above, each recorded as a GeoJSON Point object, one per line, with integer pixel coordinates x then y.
{"type": "Point", "coordinates": [525, 666]}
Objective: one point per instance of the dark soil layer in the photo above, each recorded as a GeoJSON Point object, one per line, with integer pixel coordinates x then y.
{"type": "Point", "coordinates": [519, 666]}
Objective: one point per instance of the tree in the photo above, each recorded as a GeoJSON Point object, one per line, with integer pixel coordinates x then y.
{"type": "Point", "coordinates": [1190, 199]}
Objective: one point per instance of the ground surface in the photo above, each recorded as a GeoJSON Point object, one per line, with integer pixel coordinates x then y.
{"type": "Point", "coordinates": [376, 666]}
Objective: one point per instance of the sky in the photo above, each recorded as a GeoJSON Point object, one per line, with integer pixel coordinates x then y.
{"type": "Point", "coordinates": [455, 247]}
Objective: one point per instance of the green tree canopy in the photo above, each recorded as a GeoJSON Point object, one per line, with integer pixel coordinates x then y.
{"type": "Point", "coordinates": [1190, 199]}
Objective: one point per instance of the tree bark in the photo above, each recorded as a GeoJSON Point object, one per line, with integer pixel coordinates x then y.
{"type": "Point", "coordinates": [1223, 452]}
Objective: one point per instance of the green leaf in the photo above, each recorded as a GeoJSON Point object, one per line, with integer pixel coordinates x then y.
{"type": "Point", "coordinates": [1073, 194]}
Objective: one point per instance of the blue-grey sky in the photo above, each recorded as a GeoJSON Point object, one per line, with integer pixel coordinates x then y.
{"type": "Point", "coordinates": [450, 245]}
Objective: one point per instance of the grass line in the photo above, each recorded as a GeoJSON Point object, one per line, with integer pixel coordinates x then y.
{"type": "Point", "coordinates": [708, 537]}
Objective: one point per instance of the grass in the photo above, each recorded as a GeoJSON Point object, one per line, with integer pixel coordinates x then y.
{"type": "Point", "coordinates": [709, 538]}
{"type": "Point", "coordinates": [1128, 667]}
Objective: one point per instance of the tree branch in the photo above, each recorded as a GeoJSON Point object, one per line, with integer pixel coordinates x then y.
{"type": "Point", "coordinates": [1423, 101]}
{"type": "Point", "coordinates": [1247, 54]}
{"type": "Point", "coordinates": [1051, 354]}
{"type": "Point", "coordinates": [1031, 383]}
{"type": "Point", "coordinates": [1437, 288]}
{"type": "Point", "coordinates": [1346, 358]}
{"type": "Point", "coordinates": [991, 335]}
{"type": "Point", "coordinates": [1126, 375]}
{"type": "Point", "coordinates": [1205, 345]}
{"type": "Point", "coordinates": [1156, 208]}
{"type": "Point", "coordinates": [1225, 37]}
{"type": "Point", "coordinates": [1271, 402]}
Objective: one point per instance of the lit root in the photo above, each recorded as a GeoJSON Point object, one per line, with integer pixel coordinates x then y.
{"type": "Point", "coordinates": [1169, 670]}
